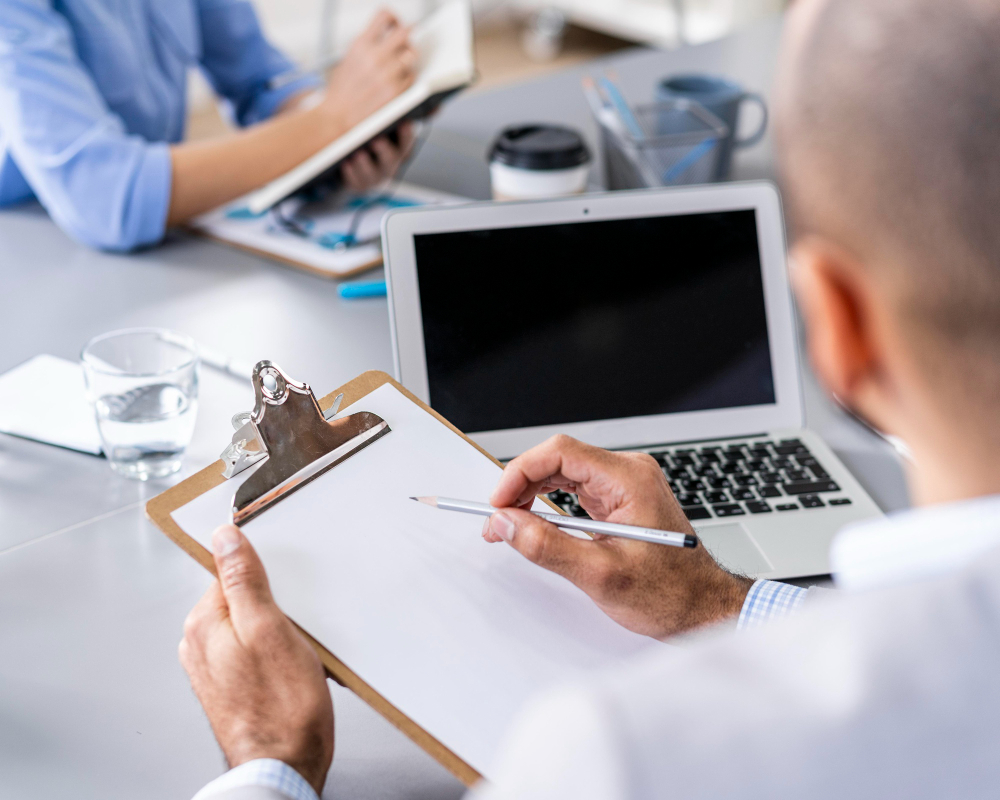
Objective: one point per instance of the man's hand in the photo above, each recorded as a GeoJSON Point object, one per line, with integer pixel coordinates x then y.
{"type": "Point", "coordinates": [260, 682]}
{"type": "Point", "coordinates": [652, 589]}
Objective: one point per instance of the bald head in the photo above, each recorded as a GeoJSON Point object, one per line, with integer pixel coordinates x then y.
{"type": "Point", "coordinates": [889, 138]}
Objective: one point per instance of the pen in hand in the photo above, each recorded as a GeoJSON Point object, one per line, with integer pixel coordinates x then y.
{"type": "Point", "coordinates": [673, 538]}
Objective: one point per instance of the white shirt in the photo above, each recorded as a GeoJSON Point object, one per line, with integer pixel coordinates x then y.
{"type": "Point", "coordinates": [888, 689]}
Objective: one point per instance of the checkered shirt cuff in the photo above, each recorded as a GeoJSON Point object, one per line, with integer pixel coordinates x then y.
{"type": "Point", "coordinates": [268, 772]}
{"type": "Point", "coordinates": [769, 600]}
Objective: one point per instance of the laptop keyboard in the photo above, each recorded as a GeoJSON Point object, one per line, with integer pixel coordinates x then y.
{"type": "Point", "coordinates": [733, 479]}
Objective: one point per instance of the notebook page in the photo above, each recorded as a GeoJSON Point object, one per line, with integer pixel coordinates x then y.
{"type": "Point", "coordinates": [455, 632]}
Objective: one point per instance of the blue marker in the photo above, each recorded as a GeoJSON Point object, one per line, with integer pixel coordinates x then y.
{"type": "Point", "coordinates": [354, 291]}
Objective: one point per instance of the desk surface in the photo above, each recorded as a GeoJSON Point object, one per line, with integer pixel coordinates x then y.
{"type": "Point", "coordinates": [93, 702]}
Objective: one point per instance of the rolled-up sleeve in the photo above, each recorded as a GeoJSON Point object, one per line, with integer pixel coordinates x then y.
{"type": "Point", "coordinates": [242, 66]}
{"type": "Point", "coordinates": [103, 186]}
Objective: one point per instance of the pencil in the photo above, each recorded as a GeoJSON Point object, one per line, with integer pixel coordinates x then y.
{"type": "Point", "coordinates": [673, 538]}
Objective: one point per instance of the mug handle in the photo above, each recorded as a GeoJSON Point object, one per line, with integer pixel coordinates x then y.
{"type": "Point", "coordinates": [758, 134]}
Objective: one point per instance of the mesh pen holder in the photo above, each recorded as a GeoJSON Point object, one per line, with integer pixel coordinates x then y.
{"type": "Point", "coordinates": [680, 144]}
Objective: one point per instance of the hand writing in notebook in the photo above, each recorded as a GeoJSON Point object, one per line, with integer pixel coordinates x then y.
{"type": "Point", "coordinates": [650, 589]}
{"type": "Point", "coordinates": [379, 65]}
{"type": "Point", "coordinates": [260, 682]}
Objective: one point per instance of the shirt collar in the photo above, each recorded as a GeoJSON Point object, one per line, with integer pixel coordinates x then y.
{"type": "Point", "coordinates": [915, 544]}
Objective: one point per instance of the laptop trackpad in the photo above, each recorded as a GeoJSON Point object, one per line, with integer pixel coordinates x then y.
{"type": "Point", "coordinates": [734, 548]}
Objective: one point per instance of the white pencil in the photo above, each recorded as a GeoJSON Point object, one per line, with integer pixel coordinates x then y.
{"type": "Point", "coordinates": [673, 538]}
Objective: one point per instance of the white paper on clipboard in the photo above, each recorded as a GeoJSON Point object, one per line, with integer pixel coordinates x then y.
{"type": "Point", "coordinates": [455, 632]}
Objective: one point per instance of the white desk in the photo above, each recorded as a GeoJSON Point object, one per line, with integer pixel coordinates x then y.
{"type": "Point", "coordinates": [93, 703]}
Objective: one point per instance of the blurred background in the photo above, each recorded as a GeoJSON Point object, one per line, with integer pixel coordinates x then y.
{"type": "Point", "coordinates": [515, 39]}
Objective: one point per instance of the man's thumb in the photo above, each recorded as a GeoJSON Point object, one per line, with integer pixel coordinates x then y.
{"type": "Point", "coordinates": [241, 573]}
{"type": "Point", "coordinates": [542, 542]}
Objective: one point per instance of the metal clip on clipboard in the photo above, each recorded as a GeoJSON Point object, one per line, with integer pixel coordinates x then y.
{"type": "Point", "coordinates": [297, 442]}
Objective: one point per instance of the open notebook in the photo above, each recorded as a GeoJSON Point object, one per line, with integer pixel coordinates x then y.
{"type": "Point", "coordinates": [444, 44]}
{"type": "Point", "coordinates": [455, 633]}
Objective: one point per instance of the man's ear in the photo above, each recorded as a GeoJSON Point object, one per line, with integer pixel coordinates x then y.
{"type": "Point", "coordinates": [836, 297]}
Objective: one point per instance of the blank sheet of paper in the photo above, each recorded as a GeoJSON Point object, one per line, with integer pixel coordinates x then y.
{"type": "Point", "coordinates": [455, 632]}
{"type": "Point", "coordinates": [45, 399]}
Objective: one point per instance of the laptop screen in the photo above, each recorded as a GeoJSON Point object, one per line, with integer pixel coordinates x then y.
{"type": "Point", "coordinates": [588, 321]}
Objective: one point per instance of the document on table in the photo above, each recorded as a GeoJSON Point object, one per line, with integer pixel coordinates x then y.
{"type": "Point", "coordinates": [454, 632]}
{"type": "Point", "coordinates": [45, 399]}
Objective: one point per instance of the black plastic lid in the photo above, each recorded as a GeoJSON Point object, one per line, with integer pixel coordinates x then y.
{"type": "Point", "coordinates": [539, 147]}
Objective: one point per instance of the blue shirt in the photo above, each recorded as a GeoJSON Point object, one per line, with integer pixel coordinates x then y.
{"type": "Point", "coordinates": [93, 92]}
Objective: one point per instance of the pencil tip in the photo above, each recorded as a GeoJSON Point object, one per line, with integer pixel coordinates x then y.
{"type": "Point", "coordinates": [430, 501]}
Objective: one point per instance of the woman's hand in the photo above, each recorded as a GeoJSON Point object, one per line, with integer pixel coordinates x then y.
{"type": "Point", "coordinates": [652, 589]}
{"type": "Point", "coordinates": [372, 165]}
{"type": "Point", "coordinates": [380, 64]}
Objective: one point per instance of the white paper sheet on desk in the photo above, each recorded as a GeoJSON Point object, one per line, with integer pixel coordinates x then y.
{"type": "Point", "coordinates": [45, 399]}
{"type": "Point", "coordinates": [455, 632]}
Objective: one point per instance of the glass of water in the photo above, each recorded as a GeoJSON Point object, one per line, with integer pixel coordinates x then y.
{"type": "Point", "coordinates": [143, 384]}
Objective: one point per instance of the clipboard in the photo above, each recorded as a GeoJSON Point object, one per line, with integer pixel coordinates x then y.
{"type": "Point", "coordinates": [159, 511]}
{"type": "Point", "coordinates": [311, 242]}
{"type": "Point", "coordinates": [591, 640]}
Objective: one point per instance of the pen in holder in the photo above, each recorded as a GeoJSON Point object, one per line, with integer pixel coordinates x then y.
{"type": "Point", "coordinates": [663, 144]}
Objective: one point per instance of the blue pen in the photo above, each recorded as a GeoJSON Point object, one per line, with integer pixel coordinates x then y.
{"type": "Point", "coordinates": [624, 112]}
{"type": "Point", "coordinates": [353, 291]}
{"type": "Point", "coordinates": [694, 155]}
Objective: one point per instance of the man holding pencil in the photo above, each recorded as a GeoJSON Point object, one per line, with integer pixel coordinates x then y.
{"type": "Point", "coordinates": [887, 113]}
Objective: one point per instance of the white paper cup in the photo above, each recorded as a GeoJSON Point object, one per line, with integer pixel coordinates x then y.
{"type": "Point", "coordinates": [538, 160]}
{"type": "Point", "coordinates": [513, 183]}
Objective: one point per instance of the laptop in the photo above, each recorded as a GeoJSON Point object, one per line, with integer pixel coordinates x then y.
{"type": "Point", "coordinates": [655, 320]}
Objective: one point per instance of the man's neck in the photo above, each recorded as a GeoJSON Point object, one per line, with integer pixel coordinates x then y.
{"type": "Point", "coordinates": [954, 470]}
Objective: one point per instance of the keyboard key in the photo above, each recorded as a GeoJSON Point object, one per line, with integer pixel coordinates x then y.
{"type": "Point", "coordinates": [810, 487]}
{"type": "Point", "coordinates": [796, 475]}
{"type": "Point", "coordinates": [661, 458]}
{"type": "Point", "coordinates": [577, 511]}
{"type": "Point", "coordinates": [696, 512]}
{"type": "Point", "coordinates": [811, 501]}
{"type": "Point", "coordinates": [717, 497]}
{"type": "Point", "coordinates": [787, 507]}
{"type": "Point", "coordinates": [689, 500]}
{"type": "Point", "coordinates": [782, 463]}
{"type": "Point", "coordinates": [684, 451]}
{"type": "Point", "coordinates": [770, 477]}
{"type": "Point", "coordinates": [721, 482]}
{"type": "Point", "coordinates": [705, 470]}
{"type": "Point", "coordinates": [710, 449]}
{"type": "Point", "coordinates": [690, 486]}
{"type": "Point", "coordinates": [755, 465]}
{"type": "Point", "coordinates": [679, 472]}
{"type": "Point", "coordinates": [791, 450]}
{"type": "Point", "coordinates": [760, 452]}
{"type": "Point", "coordinates": [731, 467]}
{"type": "Point", "coordinates": [758, 507]}
{"type": "Point", "coordinates": [710, 458]}
{"type": "Point", "coordinates": [745, 480]}
{"type": "Point", "coordinates": [818, 472]}
{"type": "Point", "coordinates": [743, 494]}
{"type": "Point", "coordinates": [769, 491]}
{"type": "Point", "coordinates": [683, 461]}
{"type": "Point", "coordinates": [840, 501]}
{"type": "Point", "coordinates": [731, 510]}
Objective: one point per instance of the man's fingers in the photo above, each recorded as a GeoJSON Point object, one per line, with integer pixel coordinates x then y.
{"type": "Point", "coordinates": [542, 543]}
{"type": "Point", "coordinates": [557, 461]}
{"type": "Point", "coordinates": [241, 576]}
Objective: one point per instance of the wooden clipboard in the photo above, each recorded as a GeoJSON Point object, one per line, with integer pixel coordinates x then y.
{"type": "Point", "coordinates": [291, 262]}
{"type": "Point", "coordinates": [159, 511]}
